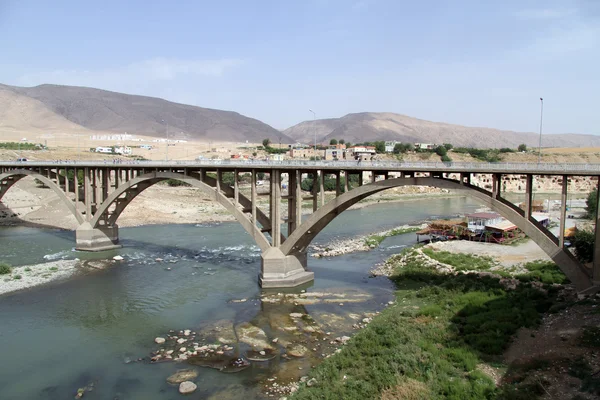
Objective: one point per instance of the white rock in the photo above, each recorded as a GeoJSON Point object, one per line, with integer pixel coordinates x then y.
{"type": "Point", "coordinates": [118, 258]}
{"type": "Point", "coordinates": [187, 332]}
{"type": "Point", "coordinates": [181, 340]}
{"type": "Point", "coordinates": [182, 350]}
{"type": "Point", "coordinates": [159, 340]}
{"type": "Point", "coordinates": [187, 387]}
{"type": "Point", "coordinates": [170, 352]}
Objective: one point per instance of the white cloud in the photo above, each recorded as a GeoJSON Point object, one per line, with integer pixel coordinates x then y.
{"type": "Point", "coordinates": [546, 13]}
{"type": "Point", "coordinates": [147, 71]}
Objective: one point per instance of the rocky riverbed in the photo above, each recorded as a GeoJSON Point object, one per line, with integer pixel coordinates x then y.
{"type": "Point", "coordinates": [284, 340]}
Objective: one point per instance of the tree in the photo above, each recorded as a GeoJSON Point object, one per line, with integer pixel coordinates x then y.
{"type": "Point", "coordinates": [583, 241]}
{"type": "Point", "coordinates": [341, 141]}
{"type": "Point", "coordinates": [441, 151]}
{"type": "Point", "coordinates": [333, 142]}
{"type": "Point", "coordinates": [522, 147]}
{"type": "Point", "coordinates": [380, 146]}
{"type": "Point", "coordinates": [398, 148]}
{"type": "Point", "coordinates": [348, 144]}
{"type": "Point", "coordinates": [592, 204]}
{"type": "Point", "coordinates": [448, 146]}
{"type": "Point", "coordinates": [266, 143]}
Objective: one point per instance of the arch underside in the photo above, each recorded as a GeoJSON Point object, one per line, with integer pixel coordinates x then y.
{"type": "Point", "coordinates": [299, 240]}
{"type": "Point", "coordinates": [10, 178]}
{"type": "Point", "coordinates": [110, 210]}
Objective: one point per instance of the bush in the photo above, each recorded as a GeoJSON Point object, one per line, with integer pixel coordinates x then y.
{"type": "Point", "coordinates": [445, 158]}
{"type": "Point", "coordinates": [17, 277]}
{"type": "Point", "coordinates": [176, 182]}
{"type": "Point", "coordinates": [592, 204]}
{"type": "Point", "coordinates": [583, 241]}
{"type": "Point", "coordinates": [441, 151]}
{"type": "Point", "coordinates": [522, 147]}
{"type": "Point", "coordinates": [5, 269]}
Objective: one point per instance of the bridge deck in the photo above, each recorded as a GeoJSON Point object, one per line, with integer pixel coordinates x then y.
{"type": "Point", "coordinates": [578, 169]}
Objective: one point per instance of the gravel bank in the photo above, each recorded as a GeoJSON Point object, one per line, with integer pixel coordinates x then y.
{"type": "Point", "coordinates": [38, 274]}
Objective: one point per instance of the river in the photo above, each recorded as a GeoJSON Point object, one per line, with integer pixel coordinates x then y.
{"type": "Point", "coordinates": [93, 328]}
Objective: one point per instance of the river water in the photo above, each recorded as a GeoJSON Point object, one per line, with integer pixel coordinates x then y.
{"type": "Point", "coordinates": [93, 328]}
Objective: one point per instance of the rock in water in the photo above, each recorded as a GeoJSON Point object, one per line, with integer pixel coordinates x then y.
{"type": "Point", "coordinates": [118, 258]}
{"type": "Point", "coordinates": [187, 387]}
{"type": "Point", "coordinates": [159, 340]}
{"type": "Point", "coordinates": [182, 375]}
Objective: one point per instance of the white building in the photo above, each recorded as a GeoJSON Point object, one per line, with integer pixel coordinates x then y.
{"type": "Point", "coordinates": [477, 222]}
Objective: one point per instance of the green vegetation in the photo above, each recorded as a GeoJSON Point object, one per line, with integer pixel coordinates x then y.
{"type": "Point", "coordinates": [488, 155]}
{"type": "Point", "coordinates": [461, 261]}
{"type": "Point", "coordinates": [271, 150]}
{"type": "Point", "coordinates": [175, 183]}
{"type": "Point", "coordinates": [5, 269]}
{"type": "Point", "coordinates": [430, 343]}
{"type": "Point", "coordinates": [375, 240]}
{"type": "Point", "coordinates": [441, 151]}
{"type": "Point", "coordinates": [583, 242]}
{"type": "Point", "coordinates": [27, 269]}
{"type": "Point", "coordinates": [17, 277]}
{"type": "Point", "coordinates": [20, 145]}
{"type": "Point", "coordinates": [522, 147]}
{"type": "Point", "coordinates": [329, 183]}
{"type": "Point", "coordinates": [401, 148]}
{"type": "Point", "coordinates": [592, 204]}
{"type": "Point", "coordinates": [53, 268]}
{"type": "Point", "coordinates": [333, 142]}
{"type": "Point", "coordinates": [542, 271]}
{"type": "Point", "coordinates": [70, 175]}
{"type": "Point", "coordinates": [445, 158]}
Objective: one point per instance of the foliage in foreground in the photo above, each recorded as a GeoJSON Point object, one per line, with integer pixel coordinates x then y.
{"type": "Point", "coordinates": [461, 261]}
{"type": "Point", "coordinates": [5, 269]}
{"type": "Point", "coordinates": [429, 344]}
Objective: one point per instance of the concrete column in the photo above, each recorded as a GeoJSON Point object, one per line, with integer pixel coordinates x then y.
{"type": "Point", "coordinates": [360, 178]}
{"type": "Point", "coordinates": [253, 195]}
{"type": "Point", "coordinates": [236, 189]}
{"type": "Point", "coordinates": [596, 263]}
{"type": "Point", "coordinates": [87, 193]}
{"type": "Point", "coordinates": [346, 182]}
{"type": "Point", "coordinates": [298, 199]}
{"type": "Point", "coordinates": [291, 202]}
{"type": "Point", "coordinates": [338, 188]}
{"type": "Point", "coordinates": [373, 176]}
{"type": "Point", "coordinates": [528, 196]}
{"type": "Point", "coordinates": [314, 190]}
{"type": "Point", "coordinates": [275, 208]}
{"type": "Point", "coordinates": [563, 211]}
{"type": "Point", "coordinates": [76, 185]}
{"type": "Point", "coordinates": [322, 188]}
{"type": "Point", "coordinates": [219, 180]}
{"type": "Point", "coordinates": [105, 183]}
{"type": "Point", "coordinates": [280, 271]}
{"type": "Point", "coordinates": [96, 239]}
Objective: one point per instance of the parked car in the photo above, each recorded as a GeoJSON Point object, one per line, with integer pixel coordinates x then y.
{"type": "Point", "coordinates": [21, 159]}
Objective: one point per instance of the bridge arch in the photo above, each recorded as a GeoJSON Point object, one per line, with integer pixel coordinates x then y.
{"type": "Point", "coordinates": [133, 187]}
{"type": "Point", "coordinates": [19, 174]}
{"type": "Point", "coordinates": [298, 241]}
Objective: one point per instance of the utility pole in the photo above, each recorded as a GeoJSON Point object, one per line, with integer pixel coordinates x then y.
{"type": "Point", "coordinates": [315, 131]}
{"type": "Point", "coordinates": [541, 123]}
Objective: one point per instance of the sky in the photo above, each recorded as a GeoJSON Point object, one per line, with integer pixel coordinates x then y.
{"type": "Point", "coordinates": [469, 62]}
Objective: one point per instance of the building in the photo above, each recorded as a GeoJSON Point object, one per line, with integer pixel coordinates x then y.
{"type": "Point", "coordinates": [306, 153]}
{"type": "Point", "coordinates": [125, 150]}
{"type": "Point", "coordinates": [363, 153]}
{"type": "Point", "coordinates": [424, 146]}
{"type": "Point", "coordinates": [477, 222]}
{"type": "Point", "coordinates": [105, 150]}
{"type": "Point", "coordinates": [389, 146]}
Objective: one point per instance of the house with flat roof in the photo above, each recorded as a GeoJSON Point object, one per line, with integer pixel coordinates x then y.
{"type": "Point", "coordinates": [477, 222]}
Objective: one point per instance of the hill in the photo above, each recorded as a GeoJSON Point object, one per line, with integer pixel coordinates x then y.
{"type": "Point", "coordinates": [369, 127]}
{"type": "Point", "coordinates": [71, 108]}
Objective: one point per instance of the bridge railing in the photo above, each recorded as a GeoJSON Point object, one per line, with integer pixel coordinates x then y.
{"type": "Point", "coordinates": [366, 165]}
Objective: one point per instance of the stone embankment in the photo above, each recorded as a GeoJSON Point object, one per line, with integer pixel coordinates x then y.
{"type": "Point", "coordinates": [360, 243]}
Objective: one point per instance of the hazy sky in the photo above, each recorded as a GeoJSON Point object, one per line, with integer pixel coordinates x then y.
{"type": "Point", "coordinates": [471, 62]}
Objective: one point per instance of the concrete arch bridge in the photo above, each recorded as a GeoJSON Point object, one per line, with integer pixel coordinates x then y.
{"type": "Point", "coordinates": [104, 190]}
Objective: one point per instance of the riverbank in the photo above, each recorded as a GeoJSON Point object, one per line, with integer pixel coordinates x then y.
{"type": "Point", "coordinates": [29, 276]}
{"type": "Point", "coordinates": [469, 327]}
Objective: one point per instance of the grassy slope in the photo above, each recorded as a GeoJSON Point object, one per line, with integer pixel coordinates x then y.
{"type": "Point", "coordinates": [430, 343]}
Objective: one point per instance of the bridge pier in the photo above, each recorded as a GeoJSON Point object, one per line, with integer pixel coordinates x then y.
{"type": "Point", "coordinates": [281, 271]}
{"type": "Point", "coordinates": [97, 239]}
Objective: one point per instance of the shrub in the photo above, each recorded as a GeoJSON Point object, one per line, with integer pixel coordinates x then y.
{"type": "Point", "coordinates": [583, 241]}
{"type": "Point", "coordinates": [592, 204]}
{"type": "Point", "coordinates": [5, 269]}
{"type": "Point", "coordinates": [17, 277]}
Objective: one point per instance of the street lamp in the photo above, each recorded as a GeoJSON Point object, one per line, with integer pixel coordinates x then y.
{"type": "Point", "coordinates": [315, 129]}
{"type": "Point", "coordinates": [541, 123]}
{"type": "Point", "coordinates": [167, 130]}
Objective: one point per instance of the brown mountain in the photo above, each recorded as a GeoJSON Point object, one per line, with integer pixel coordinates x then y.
{"type": "Point", "coordinates": [369, 127]}
{"type": "Point", "coordinates": [75, 109]}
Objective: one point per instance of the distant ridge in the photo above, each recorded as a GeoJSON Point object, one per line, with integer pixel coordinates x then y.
{"type": "Point", "coordinates": [72, 108]}
{"type": "Point", "coordinates": [373, 126]}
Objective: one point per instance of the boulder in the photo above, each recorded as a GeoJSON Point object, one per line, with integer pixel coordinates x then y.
{"type": "Point", "coordinates": [182, 375]}
{"type": "Point", "coordinates": [187, 387]}
{"type": "Point", "coordinates": [159, 340]}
